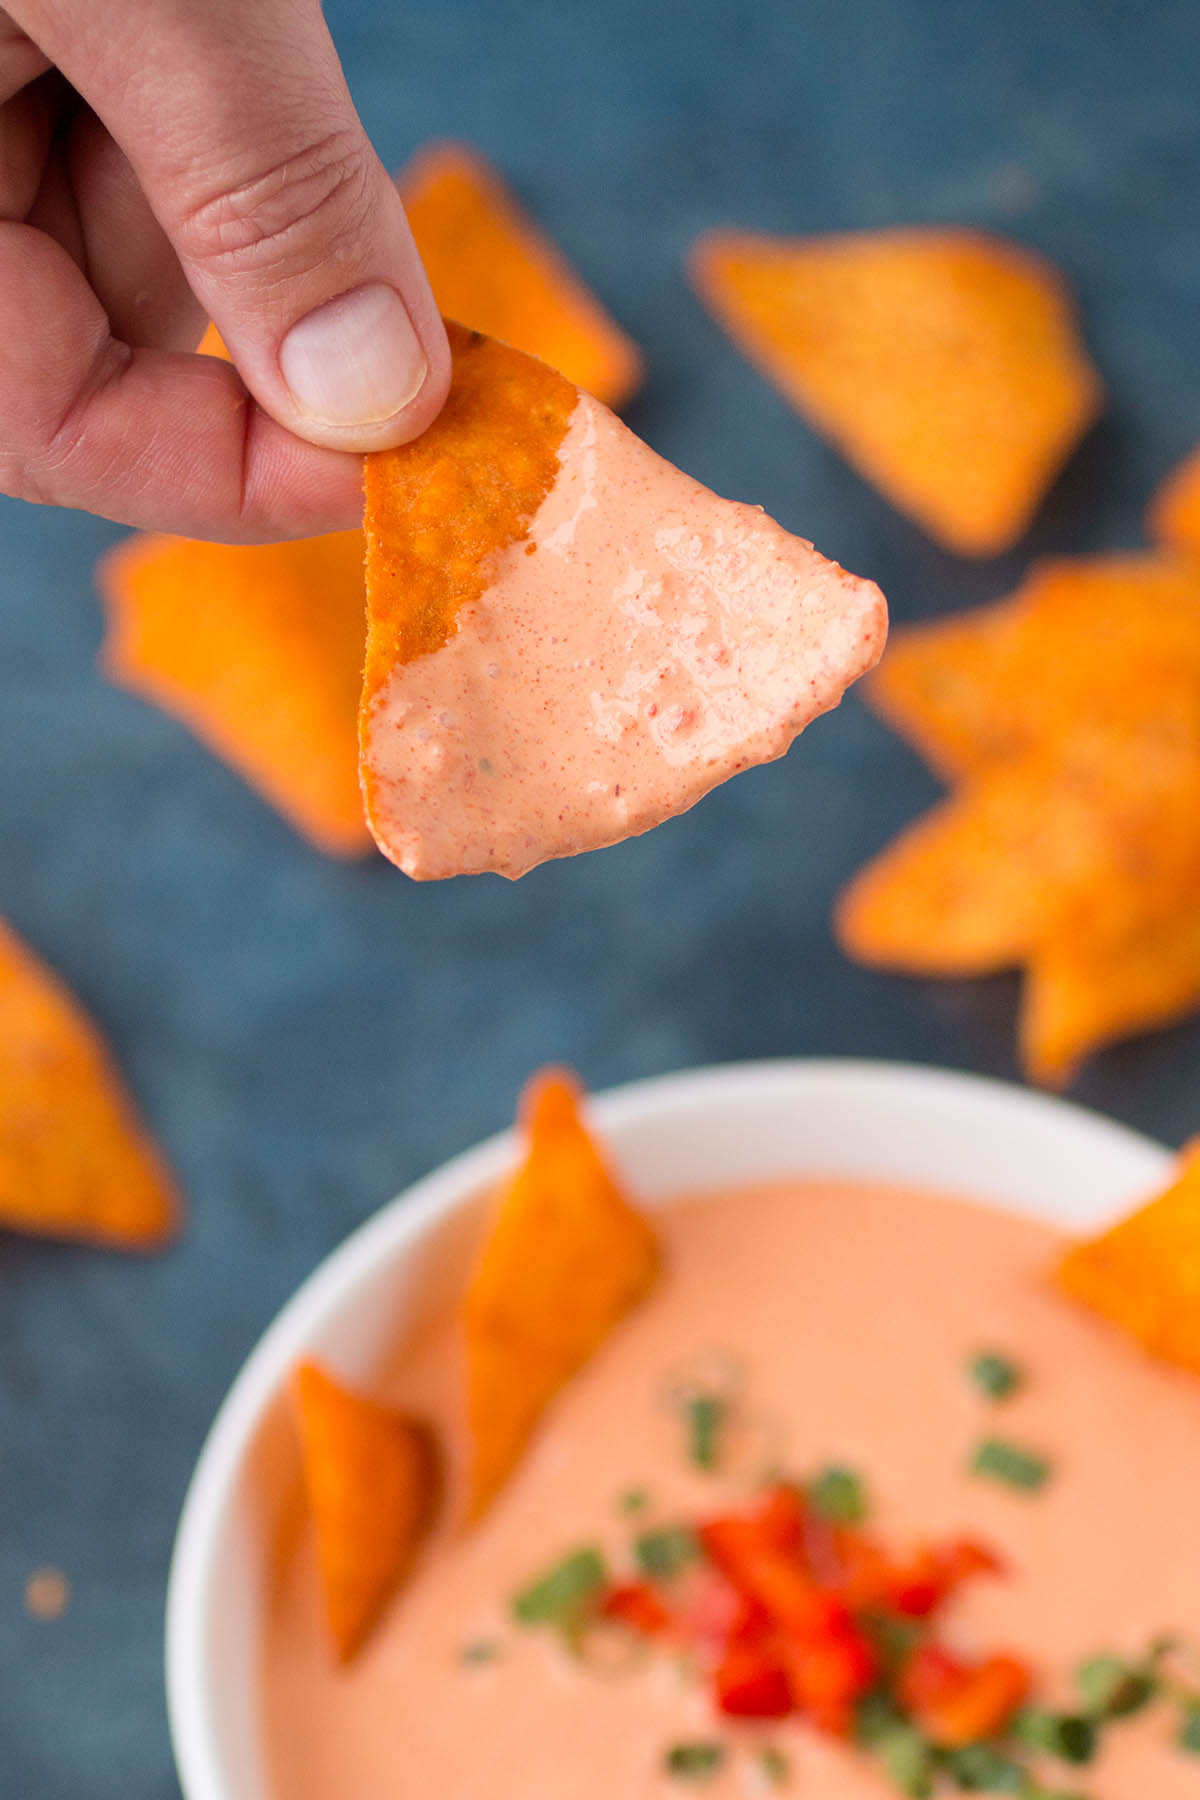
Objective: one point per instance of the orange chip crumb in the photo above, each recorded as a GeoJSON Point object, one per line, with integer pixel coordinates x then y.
{"type": "Point", "coordinates": [212, 344]}
{"type": "Point", "coordinates": [565, 1257]}
{"type": "Point", "coordinates": [1143, 1275]}
{"type": "Point", "coordinates": [945, 364]}
{"type": "Point", "coordinates": [1174, 516]}
{"type": "Point", "coordinates": [490, 266]}
{"type": "Point", "coordinates": [371, 1478]}
{"type": "Point", "coordinates": [258, 649]}
{"type": "Point", "coordinates": [75, 1162]}
{"type": "Point", "coordinates": [47, 1595]}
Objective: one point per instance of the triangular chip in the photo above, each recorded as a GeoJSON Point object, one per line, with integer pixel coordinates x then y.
{"type": "Point", "coordinates": [1174, 517]}
{"type": "Point", "coordinates": [569, 640]}
{"type": "Point", "coordinates": [212, 344]}
{"type": "Point", "coordinates": [492, 267]}
{"type": "Point", "coordinates": [258, 649]}
{"type": "Point", "coordinates": [1144, 1274]}
{"type": "Point", "coordinates": [945, 364]}
{"type": "Point", "coordinates": [371, 1477]}
{"type": "Point", "coordinates": [565, 1258]}
{"type": "Point", "coordinates": [1113, 638]}
{"type": "Point", "coordinates": [1081, 994]}
{"type": "Point", "coordinates": [75, 1161]}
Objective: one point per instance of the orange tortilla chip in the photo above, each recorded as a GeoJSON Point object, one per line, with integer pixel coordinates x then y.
{"type": "Point", "coordinates": [1174, 516]}
{"type": "Point", "coordinates": [564, 1259]}
{"type": "Point", "coordinates": [258, 649]}
{"type": "Point", "coordinates": [1068, 718]}
{"type": "Point", "coordinates": [439, 508]}
{"type": "Point", "coordinates": [371, 1477]}
{"type": "Point", "coordinates": [212, 344]}
{"type": "Point", "coordinates": [1144, 1274]}
{"type": "Point", "coordinates": [490, 266]}
{"type": "Point", "coordinates": [75, 1161]}
{"type": "Point", "coordinates": [946, 365]}
{"type": "Point", "coordinates": [1113, 637]}
{"type": "Point", "coordinates": [1080, 995]}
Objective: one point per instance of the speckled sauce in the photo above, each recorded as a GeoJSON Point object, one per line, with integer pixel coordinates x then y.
{"type": "Point", "coordinates": [644, 643]}
{"type": "Point", "coordinates": [853, 1311]}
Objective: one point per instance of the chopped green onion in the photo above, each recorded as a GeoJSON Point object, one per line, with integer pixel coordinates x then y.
{"type": "Point", "coordinates": [893, 1637]}
{"type": "Point", "coordinates": [694, 1762]}
{"type": "Point", "coordinates": [875, 1717]}
{"type": "Point", "coordinates": [994, 1375]}
{"type": "Point", "coordinates": [911, 1760]}
{"type": "Point", "coordinates": [1189, 1727]}
{"type": "Point", "coordinates": [661, 1554]}
{"type": "Point", "coordinates": [1069, 1736]}
{"type": "Point", "coordinates": [838, 1494]}
{"type": "Point", "coordinates": [982, 1770]}
{"type": "Point", "coordinates": [1112, 1688]}
{"type": "Point", "coordinates": [484, 1650]}
{"type": "Point", "coordinates": [1006, 1462]}
{"type": "Point", "coordinates": [633, 1500]}
{"type": "Point", "coordinates": [706, 1416]}
{"type": "Point", "coordinates": [564, 1592]}
{"type": "Point", "coordinates": [773, 1765]}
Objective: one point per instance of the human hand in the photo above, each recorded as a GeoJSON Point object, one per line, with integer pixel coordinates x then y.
{"type": "Point", "coordinates": [167, 161]}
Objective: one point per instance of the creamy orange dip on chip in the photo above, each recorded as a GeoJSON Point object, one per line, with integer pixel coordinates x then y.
{"type": "Point", "coordinates": [977, 1425]}
{"type": "Point", "coordinates": [569, 640]}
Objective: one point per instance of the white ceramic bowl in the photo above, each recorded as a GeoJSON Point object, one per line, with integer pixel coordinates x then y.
{"type": "Point", "coordinates": [1003, 1145]}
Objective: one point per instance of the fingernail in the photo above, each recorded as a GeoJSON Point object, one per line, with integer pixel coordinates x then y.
{"type": "Point", "coordinates": [356, 360]}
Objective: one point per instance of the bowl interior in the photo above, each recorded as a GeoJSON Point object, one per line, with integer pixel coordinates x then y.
{"type": "Point", "coordinates": [997, 1144]}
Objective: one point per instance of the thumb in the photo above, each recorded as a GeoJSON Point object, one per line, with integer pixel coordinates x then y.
{"type": "Point", "coordinates": [239, 126]}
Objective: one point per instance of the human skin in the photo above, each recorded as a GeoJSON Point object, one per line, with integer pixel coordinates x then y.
{"type": "Point", "coordinates": [163, 162]}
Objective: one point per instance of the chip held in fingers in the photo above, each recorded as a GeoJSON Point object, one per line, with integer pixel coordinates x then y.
{"type": "Point", "coordinates": [492, 267]}
{"type": "Point", "coordinates": [564, 1258]}
{"type": "Point", "coordinates": [75, 1160]}
{"type": "Point", "coordinates": [945, 364]}
{"type": "Point", "coordinates": [371, 1476]}
{"type": "Point", "coordinates": [1174, 517]}
{"type": "Point", "coordinates": [570, 641]}
{"type": "Point", "coordinates": [1143, 1274]}
{"type": "Point", "coordinates": [258, 649]}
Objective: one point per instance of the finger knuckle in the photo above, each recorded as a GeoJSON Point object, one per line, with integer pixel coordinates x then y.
{"type": "Point", "coordinates": [298, 211]}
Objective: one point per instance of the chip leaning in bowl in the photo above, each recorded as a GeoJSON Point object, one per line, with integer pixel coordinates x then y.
{"type": "Point", "coordinates": [815, 1485]}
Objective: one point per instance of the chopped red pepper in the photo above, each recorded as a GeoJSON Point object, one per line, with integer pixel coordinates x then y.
{"type": "Point", "coordinates": [752, 1684]}
{"type": "Point", "coordinates": [638, 1605]}
{"type": "Point", "coordinates": [958, 1703]}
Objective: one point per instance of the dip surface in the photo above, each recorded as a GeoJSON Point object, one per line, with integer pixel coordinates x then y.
{"type": "Point", "coordinates": [853, 1311]}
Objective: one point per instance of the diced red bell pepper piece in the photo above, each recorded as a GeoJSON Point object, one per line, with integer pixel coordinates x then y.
{"type": "Point", "coordinates": [710, 1613]}
{"type": "Point", "coordinates": [829, 1674]}
{"type": "Point", "coordinates": [638, 1605]}
{"type": "Point", "coordinates": [956, 1703]}
{"type": "Point", "coordinates": [777, 1523]}
{"type": "Point", "coordinates": [752, 1684]}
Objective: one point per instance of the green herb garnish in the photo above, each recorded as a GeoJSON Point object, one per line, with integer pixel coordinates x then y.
{"type": "Point", "coordinates": [994, 1375]}
{"type": "Point", "coordinates": [911, 1760]}
{"type": "Point", "coordinates": [875, 1717]}
{"type": "Point", "coordinates": [661, 1554]}
{"type": "Point", "coordinates": [694, 1762]}
{"type": "Point", "coordinates": [561, 1595]}
{"type": "Point", "coordinates": [981, 1769]}
{"type": "Point", "coordinates": [773, 1764]}
{"type": "Point", "coordinates": [633, 1500]}
{"type": "Point", "coordinates": [838, 1494]}
{"type": "Point", "coordinates": [1006, 1462]}
{"type": "Point", "coordinates": [484, 1650]}
{"type": "Point", "coordinates": [1112, 1688]}
{"type": "Point", "coordinates": [706, 1416]}
{"type": "Point", "coordinates": [1189, 1727]}
{"type": "Point", "coordinates": [1069, 1736]}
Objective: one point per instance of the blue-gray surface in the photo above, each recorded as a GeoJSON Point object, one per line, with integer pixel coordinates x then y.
{"type": "Point", "coordinates": [307, 1038]}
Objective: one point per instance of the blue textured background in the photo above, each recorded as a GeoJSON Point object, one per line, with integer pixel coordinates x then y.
{"type": "Point", "coordinates": [305, 1038]}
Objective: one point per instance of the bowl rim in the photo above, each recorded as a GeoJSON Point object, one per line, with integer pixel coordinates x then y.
{"type": "Point", "coordinates": [395, 1229]}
